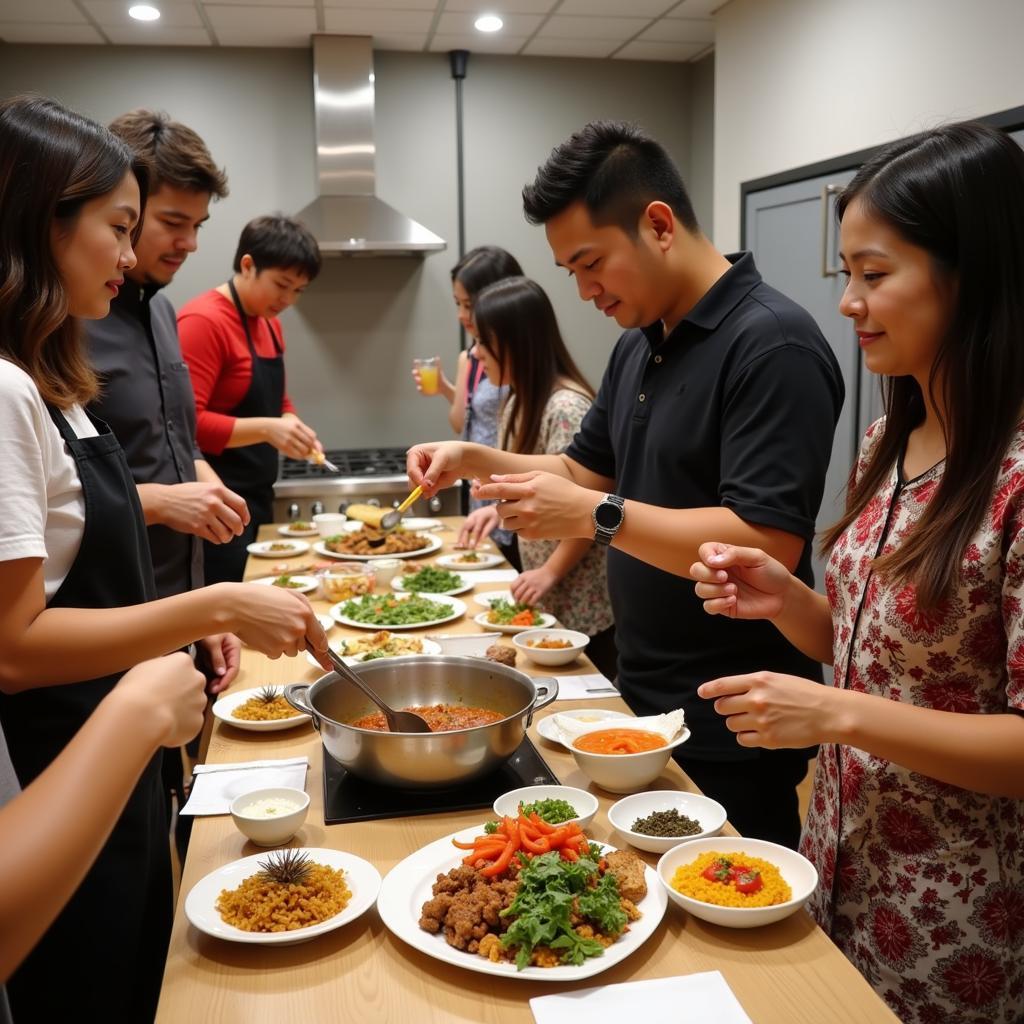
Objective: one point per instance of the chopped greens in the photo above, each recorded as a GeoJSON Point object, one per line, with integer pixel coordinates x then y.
{"type": "Point", "coordinates": [430, 580]}
{"type": "Point", "coordinates": [384, 610]}
{"type": "Point", "coordinates": [554, 812]}
{"type": "Point", "coordinates": [506, 613]}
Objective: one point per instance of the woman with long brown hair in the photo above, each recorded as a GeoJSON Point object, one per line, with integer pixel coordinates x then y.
{"type": "Point", "coordinates": [520, 346]}
{"type": "Point", "coordinates": [917, 812]}
{"type": "Point", "coordinates": [77, 593]}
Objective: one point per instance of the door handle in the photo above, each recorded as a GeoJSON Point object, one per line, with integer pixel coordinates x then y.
{"type": "Point", "coordinates": [828, 190]}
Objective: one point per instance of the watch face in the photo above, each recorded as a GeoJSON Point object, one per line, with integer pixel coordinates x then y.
{"type": "Point", "coordinates": [608, 515]}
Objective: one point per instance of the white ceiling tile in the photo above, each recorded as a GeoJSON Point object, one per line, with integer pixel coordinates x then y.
{"type": "Point", "coordinates": [478, 42]}
{"type": "Point", "coordinates": [696, 8]}
{"type": "Point", "coordinates": [37, 32]}
{"type": "Point", "coordinates": [369, 23]}
{"type": "Point", "coordinates": [618, 8]}
{"type": "Point", "coordinates": [616, 29]}
{"type": "Point", "coordinates": [147, 34]}
{"type": "Point", "coordinates": [39, 11]}
{"type": "Point", "coordinates": [681, 30]}
{"type": "Point", "coordinates": [461, 23]}
{"type": "Point", "coordinates": [115, 12]}
{"type": "Point", "coordinates": [262, 26]}
{"type": "Point", "coordinates": [399, 41]}
{"type": "Point", "coordinates": [641, 50]}
{"type": "Point", "coordinates": [541, 47]}
{"type": "Point", "coordinates": [382, 5]}
{"type": "Point", "coordinates": [207, 4]}
{"type": "Point", "coordinates": [501, 7]}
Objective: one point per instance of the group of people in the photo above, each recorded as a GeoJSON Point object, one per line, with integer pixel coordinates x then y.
{"type": "Point", "coordinates": [672, 513]}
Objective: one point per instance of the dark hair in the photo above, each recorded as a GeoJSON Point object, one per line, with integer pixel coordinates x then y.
{"type": "Point", "coordinates": [517, 325]}
{"type": "Point", "coordinates": [616, 170]}
{"type": "Point", "coordinates": [177, 156]}
{"type": "Point", "coordinates": [958, 193]}
{"type": "Point", "coordinates": [483, 266]}
{"type": "Point", "coordinates": [52, 162]}
{"type": "Point", "coordinates": [278, 241]}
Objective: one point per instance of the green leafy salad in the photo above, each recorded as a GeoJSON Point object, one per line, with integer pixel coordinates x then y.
{"type": "Point", "coordinates": [430, 580]}
{"type": "Point", "coordinates": [505, 613]}
{"type": "Point", "coordinates": [554, 812]}
{"type": "Point", "coordinates": [543, 908]}
{"type": "Point", "coordinates": [384, 610]}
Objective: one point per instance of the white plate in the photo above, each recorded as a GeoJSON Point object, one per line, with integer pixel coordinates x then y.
{"type": "Point", "coordinates": [287, 531]}
{"type": "Point", "coordinates": [361, 877]}
{"type": "Point", "coordinates": [398, 583]}
{"type": "Point", "coordinates": [546, 726]}
{"type": "Point", "coordinates": [309, 583]}
{"type": "Point", "coordinates": [420, 523]}
{"type": "Point", "coordinates": [222, 709]}
{"type": "Point", "coordinates": [262, 548]}
{"type": "Point", "coordinates": [434, 543]}
{"type": "Point", "coordinates": [458, 609]}
{"type": "Point", "coordinates": [487, 561]}
{"type": "Point", "coordinates": [546, 621]}
{"type": "Point", "coordinates": [327, 622]}
{"type": "Point", "coordinates": [408, 886]}
{"type": "Point", "coordinates": [429, 647]}
{"type": "Point", "coordinates": [485, 599]}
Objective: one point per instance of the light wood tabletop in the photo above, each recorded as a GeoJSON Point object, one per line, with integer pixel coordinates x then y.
{"type": "Point", "coordinates": [785, 973]}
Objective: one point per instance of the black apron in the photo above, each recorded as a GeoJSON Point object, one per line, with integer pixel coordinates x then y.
{"type": "Point", "coordinates": [103, 957]}
{"type": "Point", "coordinates": [251, 470]}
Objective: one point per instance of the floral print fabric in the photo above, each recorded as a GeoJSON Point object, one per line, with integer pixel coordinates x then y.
{"type": "Point", "coordinates": [921, 882]}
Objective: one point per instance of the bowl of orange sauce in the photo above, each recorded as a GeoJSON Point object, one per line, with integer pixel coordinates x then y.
{"type": "Point", "coordinates": [623, 759]}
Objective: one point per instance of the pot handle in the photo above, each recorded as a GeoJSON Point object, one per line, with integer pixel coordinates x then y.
{"type": "Point", "coordinates": [295, 694]}
{"type": "Point", "coordinates": [547, 691]}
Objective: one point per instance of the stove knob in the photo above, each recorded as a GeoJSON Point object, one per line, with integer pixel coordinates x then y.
{"type": "Point", "coordinates": [343, 507]}
{"type": "Point", "coordinates": [316, 508]}
{"type": "Point", "coordinates": [293, 512]}
{"type": "Point", "coordinates": [396, 503]}
{"type": "Point", "coordinates": [375, 502]}
{"type": "Point", "coordinates": [434, 504]}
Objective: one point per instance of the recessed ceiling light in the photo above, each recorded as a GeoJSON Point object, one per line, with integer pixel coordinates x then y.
{"type": "Point", "coordinates": [488, 23]}
{"type": "Point", "coordinates": [143, 12]}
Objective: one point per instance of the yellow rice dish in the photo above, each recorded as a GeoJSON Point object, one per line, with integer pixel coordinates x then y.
{"type": "Point", "coordinates": [724, 890]}
{"type": "Point", "coordinates": [261, 904]}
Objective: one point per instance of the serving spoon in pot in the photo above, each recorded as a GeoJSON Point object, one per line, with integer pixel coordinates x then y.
{"type": "Point", "coordinates": [398, 721]}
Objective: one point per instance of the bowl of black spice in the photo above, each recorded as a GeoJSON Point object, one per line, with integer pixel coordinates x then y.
{"type": "Point", "coordinates": [658, 820]}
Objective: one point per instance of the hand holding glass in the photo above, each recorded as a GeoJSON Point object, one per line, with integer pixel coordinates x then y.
{"type": "Point", "coordinates": [429, 370]}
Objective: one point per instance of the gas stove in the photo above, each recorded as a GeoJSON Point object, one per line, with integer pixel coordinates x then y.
{"type": "Point", "coordinates": [368, 475]}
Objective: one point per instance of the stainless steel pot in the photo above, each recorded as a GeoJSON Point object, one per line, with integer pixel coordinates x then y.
{"type": "Point", "coordinates": [432, 760]}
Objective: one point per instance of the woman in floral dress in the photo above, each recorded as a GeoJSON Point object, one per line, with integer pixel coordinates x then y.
{"type": "Point", "coordinates": [916, 822]}
{"type": "Point", "coordinates": [521, 347]}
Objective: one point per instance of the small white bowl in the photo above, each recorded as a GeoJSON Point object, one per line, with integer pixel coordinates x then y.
{"type": "Point", "coordinates": [795, 869]}
{"type": "Point", "coordinates": [626, 773]}
{"type": "Point", "coordinates": [328, 524]}
{"type": "Point", "coordinates": [584, 802]}
{"type": "Point", "coordinates": [707, 812]}
{"type": "Point", "coordinates": [464, 645]}
{"type": "Point", "coordinates": [270, 831]}
{"type": "Point", "coordinates": [551, 655]}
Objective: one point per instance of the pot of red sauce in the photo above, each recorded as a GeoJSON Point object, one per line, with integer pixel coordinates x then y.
{"type": "Point", "coordinates": [424, 760]}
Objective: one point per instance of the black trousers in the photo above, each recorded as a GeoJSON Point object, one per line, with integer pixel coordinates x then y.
{"type": "Point", "coordinates": [603, 653]}
{"type": "Point", "coordinates": [758, 795]}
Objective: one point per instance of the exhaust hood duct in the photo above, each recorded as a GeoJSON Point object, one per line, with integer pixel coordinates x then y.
{"type": "Point", "coordinates": [347, 219]}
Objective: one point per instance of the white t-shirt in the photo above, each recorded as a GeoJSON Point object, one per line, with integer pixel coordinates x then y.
{"type": "Point", "coordinates": [42, 510]}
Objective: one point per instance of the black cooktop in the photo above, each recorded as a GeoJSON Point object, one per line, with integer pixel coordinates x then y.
{"type": "Point", "coordinates": [347, 798]}
{"type": "Point", "coordinates": [352, 462]}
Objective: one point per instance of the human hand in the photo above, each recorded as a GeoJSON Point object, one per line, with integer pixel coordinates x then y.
{"type": "Point", "coordinates": [290, 436]}
{"type": "Point", "coordinates": [541, 505]}
{"type": "Point", "coordinates": [741, 583]}
{"type": "Point", "coordinates": [767, 709]}
{"type": "Point", "coordinates": [208, 510]}
{"type": "Point", "coordinates": [168, 692]}
{"type": "Point", "coordinates": [479, 525]}
{"type": "Point", "coordinates": [434, 465]}
{"type": "Point", "coordinates": [530, 586]}
{"type": "Point", "coordinates": [222, 653]}
{"type": "Point", "coordinates": [274, 621]}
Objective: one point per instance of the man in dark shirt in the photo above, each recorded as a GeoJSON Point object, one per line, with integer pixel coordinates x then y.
{"type": "Point", "coordinates": [714, 421]}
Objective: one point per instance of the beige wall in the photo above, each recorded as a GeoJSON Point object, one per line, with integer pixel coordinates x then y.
{"type": "Point", "coordinates": [701, 176]}
{"type": "Point", "coordinates": [797, 81]}
{"type": "Point", "coordinates": [352, 337]}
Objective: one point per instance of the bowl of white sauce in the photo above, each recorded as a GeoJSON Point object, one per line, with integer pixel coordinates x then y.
{"type": "Point", "coordinates": [270, 817]}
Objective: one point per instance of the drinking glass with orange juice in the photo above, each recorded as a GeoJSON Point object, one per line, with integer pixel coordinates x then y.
{"type": "Point", "coordinates": [429, 370]}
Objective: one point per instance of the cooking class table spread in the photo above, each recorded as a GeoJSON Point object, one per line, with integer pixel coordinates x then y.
{"type": "Point", "coordinates": [788, 972]}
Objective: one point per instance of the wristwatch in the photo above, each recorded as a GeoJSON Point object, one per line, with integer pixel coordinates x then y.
{"type": "Point", "coordinates": [608, 516]}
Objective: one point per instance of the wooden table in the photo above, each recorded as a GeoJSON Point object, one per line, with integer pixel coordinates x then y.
{"type": "Point", "coordinates": [786, 973]}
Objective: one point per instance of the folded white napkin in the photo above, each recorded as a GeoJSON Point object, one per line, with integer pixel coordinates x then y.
{"type": "Point", "coordinates": [667, 726]}
{"type": "Point", "coordinates": [216, 785]}
{"type": "Point", "coordinates": [490, 575]}
{"type": "Point", "coordinates": [696, 998]}
{"type": "Point", "coordinates": [582, 687]}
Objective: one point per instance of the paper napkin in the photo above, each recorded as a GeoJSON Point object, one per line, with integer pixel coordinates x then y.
{"type": "Point", "coordinates": [216, 785]}
{"type": "Point", "coordinates": [586, 686]}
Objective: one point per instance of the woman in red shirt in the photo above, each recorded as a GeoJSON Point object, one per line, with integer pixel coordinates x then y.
{"type": "Point", "coordinates": [233, 344]}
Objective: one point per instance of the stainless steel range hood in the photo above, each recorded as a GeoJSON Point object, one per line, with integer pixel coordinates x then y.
{"type": "Point", "coordinates": [348, 219]}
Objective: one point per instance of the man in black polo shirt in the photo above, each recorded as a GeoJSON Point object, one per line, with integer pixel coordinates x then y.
{"type": "Point", "coordinates": [714, 420]}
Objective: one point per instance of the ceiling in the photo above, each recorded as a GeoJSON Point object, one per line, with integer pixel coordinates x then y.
{"type": "Point", "coordinates": [666, 30]}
